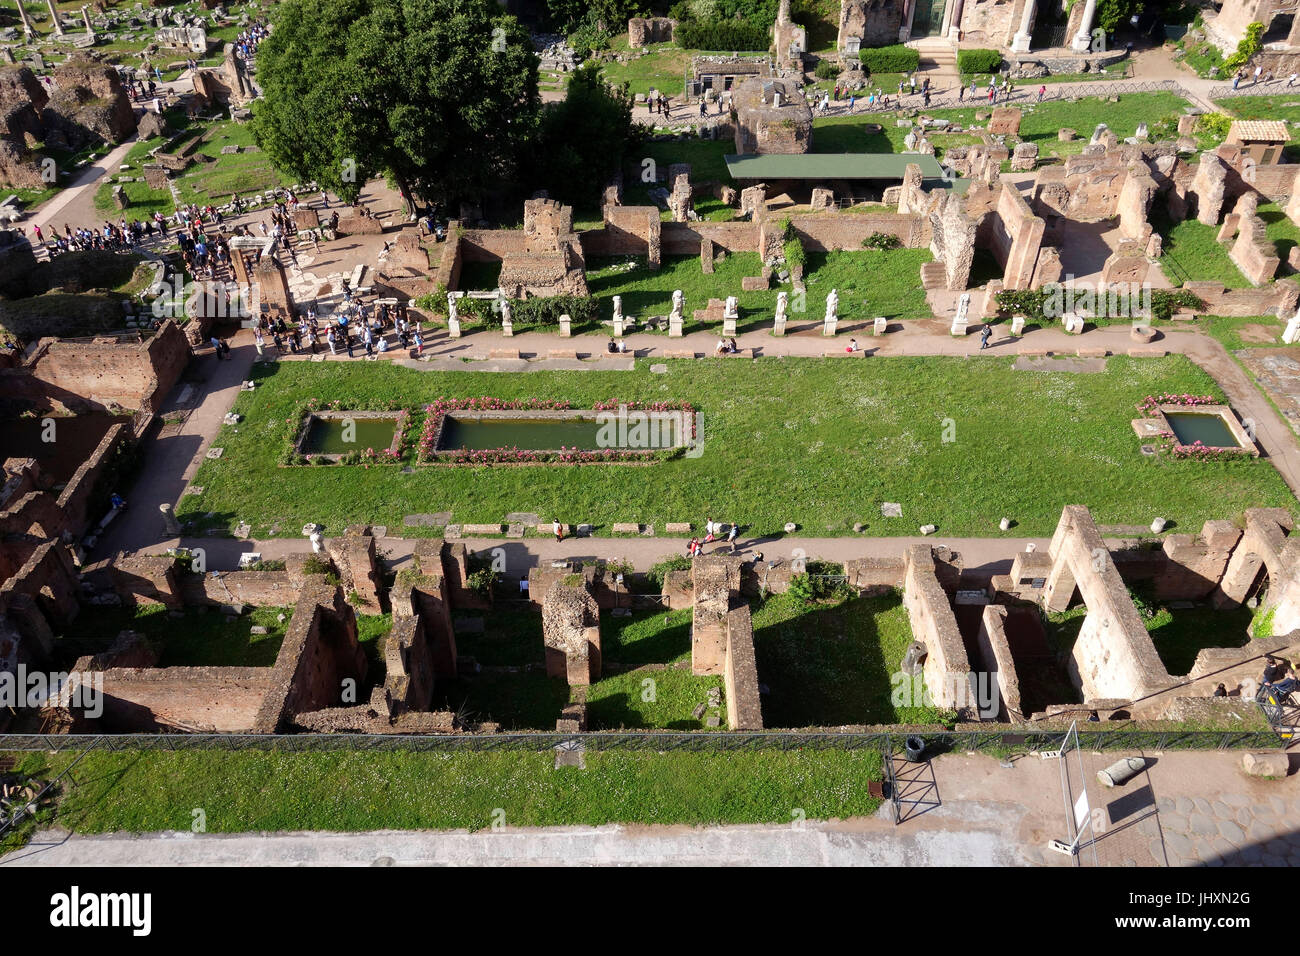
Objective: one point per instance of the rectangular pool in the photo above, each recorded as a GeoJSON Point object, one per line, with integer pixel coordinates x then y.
{"type": "Point", "coordinates": [339, 436]}
{"type": "Point", "coordinates": [479, 433]}
{"type": "Point", "coordinates": [1209, 429]}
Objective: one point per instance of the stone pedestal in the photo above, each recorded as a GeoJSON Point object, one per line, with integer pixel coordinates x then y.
{"type": "Point", "coordinates": [959, 324]}
{"type": "Point", "coordinates": [507, 328]}
{"type": "Point", "coordinates": [829, 324]}
{"type": "Point", "coordinates": [778, 328]}
{"type": "Point", "coordinates": [618, 326]}
{"type": "Point", "coordinates": [566, 329]}
{"type": "Point", "coordinates": [728, 325]}
{"type": "Point", "coordinates": [674, 326]}
{"type": "Point", "coordinates": [171, 527]}
{"type": "Point", "coordinates": [1017, 324]}
{"type": "Point", "coordinates": [453, 328]}
{"type": "Point", "coordinates": [880, 325]}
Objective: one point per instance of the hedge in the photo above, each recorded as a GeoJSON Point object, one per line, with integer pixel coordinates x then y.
{"type": "Point", "coordinates": [978, 61]}
{"type": "Point", "coordinates": [720, 35]}
{"type": "Point", "coordinates": [889, 59]}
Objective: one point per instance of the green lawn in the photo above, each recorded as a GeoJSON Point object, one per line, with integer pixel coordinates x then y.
{"type": "Point", "coordinates": [200, 637]}
{"type": "Point", "coordinates": [250, 791]}
{"type": "Point", "coordinates": [512, 687]}
{"type": "Point", "coordinates": [204, 637]}
{"type": "Point", "coordinates": [646, 292]}
{"type": "Point", "coordinates": [816, 442]}
{"type": "Point", "coordinates": [641, 695]}
{"type": "Point", "coordinates": [831, 665]}
{"type": "Point", "coordinates": [663, 69]}
{"type": "Point", "coordinates": [1281, 107]}
{"type": "Point", "coordinates": [1192, 252]}
{"type": "Point", "coordinates": [1281, 230]}
{"type": "Point", "coordinates": [869, 283]}
{"type": "Point", "coordinates": [216, 176]}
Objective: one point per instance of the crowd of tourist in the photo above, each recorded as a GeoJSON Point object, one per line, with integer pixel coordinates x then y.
{"type": "Point", "coordinates": [355, 324]}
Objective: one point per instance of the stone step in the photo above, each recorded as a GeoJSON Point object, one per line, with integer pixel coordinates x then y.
{"type": "Point", "coordinates": [933, 275]}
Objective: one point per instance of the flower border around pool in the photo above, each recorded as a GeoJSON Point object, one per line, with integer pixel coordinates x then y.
{"type": "Point", "coordinates": [315, 409]}
{"type": "Point", "coordinates": [1157, 406]}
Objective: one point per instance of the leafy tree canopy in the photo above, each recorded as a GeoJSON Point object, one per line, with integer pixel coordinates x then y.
{"type": "Point", "coordinates": [441, 94]}
{"type": "Point", "coordinates": [585, 137]}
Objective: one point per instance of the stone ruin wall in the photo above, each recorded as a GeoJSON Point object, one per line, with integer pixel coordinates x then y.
{"type": "Point", "coordinates": [946, 669]}
{"type": "Point", "coordinates": [571, 634]}
{"type": "Point", "coordinates": [320, 651]}
{"type": "Point", "coordinates": [105, 372]}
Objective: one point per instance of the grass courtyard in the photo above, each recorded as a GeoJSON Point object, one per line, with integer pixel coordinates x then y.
{"type": "Point", "coordinates": [821, 444]}
{"type": "Point", "coordinates": [242, 791]}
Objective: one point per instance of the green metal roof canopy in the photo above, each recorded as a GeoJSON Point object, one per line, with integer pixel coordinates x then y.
{"type": "Point", "coordinates": [831, 166]}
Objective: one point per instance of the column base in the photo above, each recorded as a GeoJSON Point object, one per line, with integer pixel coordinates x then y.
{"type": "Point", "coordinates": [954, 34]}
{"type": "Point", "coordinates": [1082, 43]}
{"type": "Point", "coordinates": [1020, 43]}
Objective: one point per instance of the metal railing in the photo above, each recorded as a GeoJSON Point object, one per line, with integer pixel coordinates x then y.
{"type": "Point", "coordinates": [1001, 740]}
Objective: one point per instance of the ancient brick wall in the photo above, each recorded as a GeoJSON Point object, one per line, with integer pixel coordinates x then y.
{"type": "Point", "coordinates": [995, 650]}
{"type": "Point", "coordinates": [740, 674]}
{"type": "Point", "coordinates": [320, 651]}
{"type": "Point", "coordinates": [130, 374]}
{"type": "Point", "coordinates": [195, 699]}
{"type": "Point", "coordinates": [716, 581]}
{"type": "Point", "coordinates": [825, 232]}
{"type": "Point", "coordinates": [990, 23]}
{"type": "Point", "coordinates": [1113, 656]}
{"type": "Point", "coordinates": [256, 588]}
{"type": "Point", "coordinates": [946, 669]}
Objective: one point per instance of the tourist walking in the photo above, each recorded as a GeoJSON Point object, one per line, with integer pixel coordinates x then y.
{"type": "Point", "coordinates": [558, 529]}
{"type": "Point", "coordinates": [709, 528]}
{"type": "Point", "coordinates": [732, 534]}
{"type": "Point", "coordinates": [1042, 90]}
{"type": "Point", "coordinates": [985, 335]}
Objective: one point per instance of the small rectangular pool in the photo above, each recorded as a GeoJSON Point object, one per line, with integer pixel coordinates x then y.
{"type": "Point", "coordinates": [484, 432]}
{"type": "Point", "coordinates": [342, 435]}
{"type": "Point", "coordinates": [1209, 429]}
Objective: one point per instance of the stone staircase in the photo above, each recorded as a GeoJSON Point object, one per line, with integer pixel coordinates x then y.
{"type": "Point", "coordinates": [933, 276]}
{"type": "Point", "coordinates": [937, 55]}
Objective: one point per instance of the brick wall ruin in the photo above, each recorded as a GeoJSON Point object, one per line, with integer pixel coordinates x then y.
{"type": "Point", "coordinates": [571, 634]}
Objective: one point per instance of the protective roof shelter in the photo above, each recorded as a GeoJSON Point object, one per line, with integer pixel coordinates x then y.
{"type": "Point", "coordinates": [882, 167]}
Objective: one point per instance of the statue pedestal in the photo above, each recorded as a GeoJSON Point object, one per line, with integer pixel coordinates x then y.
{"type": "Point", "coordinates": [674, 326]}
{"type": "Point", "coordinates": [779, 327]}
{"type": "Point", "coordinates": [828, 326]}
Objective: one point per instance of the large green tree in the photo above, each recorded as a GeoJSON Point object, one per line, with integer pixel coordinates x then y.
{"type": "Point", "coordinates": [439, 94]}
{"type": "Point", "coordinates": [584, 138]}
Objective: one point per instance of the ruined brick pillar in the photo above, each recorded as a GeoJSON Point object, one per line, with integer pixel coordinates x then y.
{"type": "Point", "coordinates": [716, 580]}
{"type": "Point", "coordinates": [571, 633]}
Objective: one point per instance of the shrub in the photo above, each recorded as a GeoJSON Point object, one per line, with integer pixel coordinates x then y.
{"type": "Point", "coordinates": [889, 59]}
{"type": "Point", "coordinates": [547, 311]}
{"type": "Point", "coordinates": [660, 571]}
{"type": "Point", "coordinates": [720, 35]}
{"type": "Point", "coordinates": [1214, 124]}
{"type": "Point", "coordinates": [1250, 45]}
{"type": "Point", "coordinates": [882, 240]}
{"type": "Point", "coordinates": [316, 565]}
{"type": "Point", "coordinates": [826, 69]}
{"type": "Point", "coordinates": [978, 61]}
{"type": "Point", "coordinates": [480, 581]}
